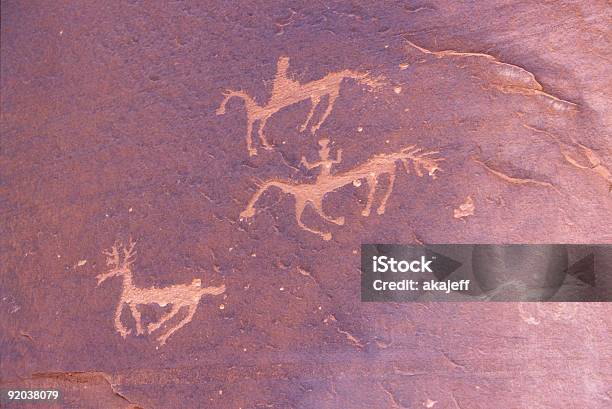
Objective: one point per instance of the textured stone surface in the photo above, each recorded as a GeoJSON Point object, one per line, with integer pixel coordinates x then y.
{"type": "Point", "coordinates": [110, 130]}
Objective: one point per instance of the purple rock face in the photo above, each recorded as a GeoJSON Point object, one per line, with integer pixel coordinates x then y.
{"type": "Point", "coordinates": [536, 273]}
{"type": "Point", "coordinates": [185, 189]}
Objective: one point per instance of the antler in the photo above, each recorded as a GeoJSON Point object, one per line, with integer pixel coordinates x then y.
{"type": "Point", "coordinates": [113, 258]}
{"type": "Point", "coordinates": [114, 261]}
{"type": "Point", "coordinates": [129, 253]}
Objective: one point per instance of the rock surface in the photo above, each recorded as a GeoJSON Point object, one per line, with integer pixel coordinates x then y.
{"type": "Point", "coordinates": [112, 129]}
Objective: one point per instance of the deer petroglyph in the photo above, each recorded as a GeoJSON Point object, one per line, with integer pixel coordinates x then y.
{"type": "Point", "coordinates": [120, 259]}
{"type": "Point", "coordinates": [326, 182]}
{"type": "Point", "coordinates": [286, 92]}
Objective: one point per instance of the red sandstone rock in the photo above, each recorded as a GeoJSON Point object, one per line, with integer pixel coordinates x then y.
{"type": "Point", "coordinates": [112, 128]}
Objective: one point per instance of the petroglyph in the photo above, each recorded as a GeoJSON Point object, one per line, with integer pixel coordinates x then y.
{"type": "Point", "coordinates": [506, 78]}
{"type": "Point", "coordinates": [465, 209]}
{"type": "Point", "coordinates": [120, 259]}
{"type": "Point", "coordinates": [286, 92]}
{"type": "Point", "coordinates": [579, 155]}
{"type": "Point", "coordinates": [313, 193]}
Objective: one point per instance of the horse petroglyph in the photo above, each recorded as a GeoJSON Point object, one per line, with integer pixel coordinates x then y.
{"type": "Point", "coordinates": [326, 182]}
{"type": "Point", "coordinates": [287, 91]}
{"type": "Point", "coordinates": [120, 259]}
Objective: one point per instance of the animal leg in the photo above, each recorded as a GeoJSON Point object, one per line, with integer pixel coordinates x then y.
{"type": "Point", "coordinates": [121, 329]}
{"type": "Point", "coordinates": [330, 105]}
{"type": "Point", "coordinates": [250, 209]}
{"type": "Point", "coordinates": [173, 311]}
{"type": "Point", "coordinates": [136, 315]}
{"type": "Point", "coordinates": [383, 202]}
{"type": "Point", "coordinates": [221, 109]}
{"type": "Point", "coordinates": [314, 102]}
{"type": "Point", "coordinates": [190, 312]}
{"type": "Point", "coordinates": [260, 132]}
{"type": "Point", "coordinates": [299, 209]}
{"type": "Point", "coordinates": [212, 290]}
{"type": "Point", "coordinates": [249, 138]}
{"type": "Point", "coordinates": [318, 206]}
{"type": "Point", "coordinates": [372, 181]}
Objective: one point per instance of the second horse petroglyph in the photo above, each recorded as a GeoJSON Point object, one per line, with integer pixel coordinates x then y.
{"type": "Point", "coordinates": [286, 92]}
{"type": "Point", "coordinates": [326, 182]}
{"type": "Point", "coordinates": [120, 260]}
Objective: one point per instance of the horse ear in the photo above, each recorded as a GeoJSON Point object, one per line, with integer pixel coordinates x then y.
{"type": "Point", "coordinates": [282, 63]}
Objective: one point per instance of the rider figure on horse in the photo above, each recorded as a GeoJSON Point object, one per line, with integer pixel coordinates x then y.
{"type": "Point", "coordinates": [283, 84]}
{"type": "Point", "coordinates": [325, 163]}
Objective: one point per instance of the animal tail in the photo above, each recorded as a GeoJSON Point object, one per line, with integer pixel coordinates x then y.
{"type": "Point", "coordinates": [213, 290]}
{"type": "Point", "coordinates": [227, 95]}
{"type": "Point", "coordinates": [261, 188]}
